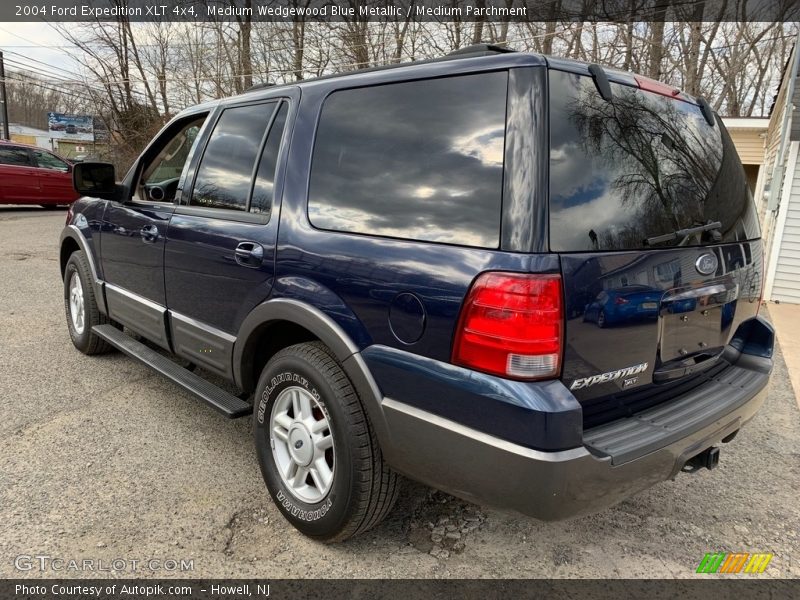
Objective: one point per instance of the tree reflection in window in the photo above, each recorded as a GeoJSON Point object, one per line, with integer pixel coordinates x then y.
{"type": "Point", "coordinates": [225, 172]}
{"type": "Point", "coordinates": [636, 167]}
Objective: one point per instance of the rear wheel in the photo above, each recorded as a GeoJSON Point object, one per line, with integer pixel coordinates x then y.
{"type": "Point", "coordinates": [601, 319]}
{"type": "Point", "coordinates": [80, 305]}
{"type": "Point", "coordinates": [318, 453]}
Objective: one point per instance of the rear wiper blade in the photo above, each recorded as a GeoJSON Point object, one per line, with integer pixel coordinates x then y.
{"type": "Point", "coordinates": [684, 234]}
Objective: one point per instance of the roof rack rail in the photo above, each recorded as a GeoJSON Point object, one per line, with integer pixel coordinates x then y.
{"type": "Point", "coordinates": [480, 50]}
{"type": "Point", "coordinates": [260, 86]}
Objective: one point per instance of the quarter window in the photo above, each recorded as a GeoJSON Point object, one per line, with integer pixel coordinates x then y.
{"type": "Point", "coordinates": [225, 174]}
{"type": "Point", "coordinates": [264, 188]}
{"type": "Point", "coordinates": [419, 160]}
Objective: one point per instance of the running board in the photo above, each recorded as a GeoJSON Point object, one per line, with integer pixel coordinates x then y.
{"type": "Point", "coordinates": [229, 405]}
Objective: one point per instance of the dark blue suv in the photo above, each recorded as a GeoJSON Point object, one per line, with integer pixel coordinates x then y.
{"type": "Point", "coordinates": [392, 268]}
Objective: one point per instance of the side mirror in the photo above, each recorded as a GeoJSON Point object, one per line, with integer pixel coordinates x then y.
{"type": "Point", "coordinates": [95, 179]}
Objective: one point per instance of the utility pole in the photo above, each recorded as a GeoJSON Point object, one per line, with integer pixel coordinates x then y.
{"type": "Point", "coordinates": [4, 101]}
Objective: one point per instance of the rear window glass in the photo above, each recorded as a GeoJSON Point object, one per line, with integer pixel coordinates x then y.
{"type": "Point", "coordinates": [641, 166]}
{"type": "Point", "coordinates": [419, 160]}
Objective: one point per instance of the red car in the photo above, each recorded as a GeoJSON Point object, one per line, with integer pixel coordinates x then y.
{"type": "Point", "coordinates": [31, 175]}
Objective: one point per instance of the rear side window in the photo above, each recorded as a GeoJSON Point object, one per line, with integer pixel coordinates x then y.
{"type": "Point", "coordinates": [10, 155]}
{"type": "Point", "coordinates": [641, 166]}
{"type": "Point", "coordinates": [225, 173]}
{"type": "Point", "coordinates": [419, 160]}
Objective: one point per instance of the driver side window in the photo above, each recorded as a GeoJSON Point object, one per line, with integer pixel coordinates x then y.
{"type": "Point", "coordinates": [158, 179]}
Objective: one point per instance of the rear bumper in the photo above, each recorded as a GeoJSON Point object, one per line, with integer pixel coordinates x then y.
{"type": "Point", "coordinates": [616, 460]}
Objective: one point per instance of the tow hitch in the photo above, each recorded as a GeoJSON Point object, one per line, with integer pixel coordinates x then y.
{"type": "Point", "coordinates": [707, 459]}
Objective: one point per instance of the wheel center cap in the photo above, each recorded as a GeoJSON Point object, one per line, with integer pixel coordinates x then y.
{"type": "Point", "coordinates": [301, 448]}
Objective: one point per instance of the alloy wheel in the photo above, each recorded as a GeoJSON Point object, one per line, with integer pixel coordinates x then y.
{"type": "Point", "coordinates": [77, 310]}
{"type": "Point", "coordinates": [302, 444]}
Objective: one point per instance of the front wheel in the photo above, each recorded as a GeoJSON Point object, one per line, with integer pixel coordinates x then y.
{"type": "Point", "coordinates": [81, 306]}
{"type": "Point", "coordinates": [316, 447]}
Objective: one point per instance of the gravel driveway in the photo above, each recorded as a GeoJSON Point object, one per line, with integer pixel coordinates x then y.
{"type": "Point", "coordinates": [100, 459]}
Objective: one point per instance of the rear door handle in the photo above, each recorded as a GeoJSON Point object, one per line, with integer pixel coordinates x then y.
{"type": "Point", "coordinates": [149, 233]}
{"type": "Point", "coordinates": [249, 254]}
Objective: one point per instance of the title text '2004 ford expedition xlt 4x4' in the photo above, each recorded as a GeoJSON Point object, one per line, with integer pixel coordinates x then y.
{"type": "Point", "coordinates": [525, 281]}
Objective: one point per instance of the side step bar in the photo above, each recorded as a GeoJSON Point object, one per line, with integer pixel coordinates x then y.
{"type": "Point", "coordinates": [229, 405]}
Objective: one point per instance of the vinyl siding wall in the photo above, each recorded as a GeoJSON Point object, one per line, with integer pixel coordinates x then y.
{"type": "Point", "coordinates": [749, 144]}
{"type": "Point", "coordinates": [786, 286]}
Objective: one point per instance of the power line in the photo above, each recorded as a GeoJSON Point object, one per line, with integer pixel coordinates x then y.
{"type": "Point", "coordinates": [47, 68]}
{"type": "Point", "coordinates": [215, 44]}
{"type": "Point", "coordinates": [28, 81]}
{"type": "Point", "coordinates": [342, 66]}
{"type": "Point", "coordinates": [48, 72]}
{"type": "Point", "coordinates": [40, 72]}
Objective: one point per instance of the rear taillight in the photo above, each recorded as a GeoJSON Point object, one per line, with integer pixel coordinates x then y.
{"type": "Point", "coordinates": [620, 300]}
{"type": "Point", "coordinates": [511, 325]}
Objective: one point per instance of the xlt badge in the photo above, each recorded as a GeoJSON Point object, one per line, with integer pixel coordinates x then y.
{"type": "Point", "coordinates": [626, 383]}
{"type": "Point", "coordinates": [585, 382]}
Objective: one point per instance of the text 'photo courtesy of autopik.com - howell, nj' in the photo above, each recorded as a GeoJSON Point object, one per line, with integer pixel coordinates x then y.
{"type": "Point", "coordinates": [399, 299]}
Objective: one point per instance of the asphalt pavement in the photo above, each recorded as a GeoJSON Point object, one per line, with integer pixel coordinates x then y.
{"type": "Point", "coordinates": [102, 460]}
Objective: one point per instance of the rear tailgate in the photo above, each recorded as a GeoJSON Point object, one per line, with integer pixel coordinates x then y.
{"type": "Point", "coordinates": [659, 241]}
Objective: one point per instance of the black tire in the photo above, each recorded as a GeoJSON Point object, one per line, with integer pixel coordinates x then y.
{"type": "Point", "coordinates": [85, 341]}
{"type": "Point", "coordinates": [363, 488]}
{"type": "Point", "coordinates": [601, 319]}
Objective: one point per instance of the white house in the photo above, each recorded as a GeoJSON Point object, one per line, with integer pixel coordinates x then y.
{"type": "Point", "coordinates": [778, 191]}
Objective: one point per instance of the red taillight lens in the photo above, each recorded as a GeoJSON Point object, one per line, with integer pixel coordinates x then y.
{"type": "Point", "coordinates": [512, 325]}
{"type": "Point", "coordinates": [620, 300]}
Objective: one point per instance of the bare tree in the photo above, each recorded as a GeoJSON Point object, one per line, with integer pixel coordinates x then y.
{"type": "Point", "coordinates": [140, 73]}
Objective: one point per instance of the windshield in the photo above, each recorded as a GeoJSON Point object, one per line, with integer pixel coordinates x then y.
{"type": "Point", "coordinates": [629, 173]}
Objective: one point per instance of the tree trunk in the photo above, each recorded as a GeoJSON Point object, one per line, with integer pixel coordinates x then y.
{"type": "Point", "coordinates": [245, 55]}
{"type": "Point", "coordinates": [655, 56]}
{"type": "Point", "coordinates": [477, 34]}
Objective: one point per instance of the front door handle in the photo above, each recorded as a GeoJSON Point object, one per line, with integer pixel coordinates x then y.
{"type": "Point", "coordinates": [149, 233]}
{"type": "Point", "coordinates": [249, 254]}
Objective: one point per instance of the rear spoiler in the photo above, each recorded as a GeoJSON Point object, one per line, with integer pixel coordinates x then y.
{"type": "Point", "coordinates": [604, 77]}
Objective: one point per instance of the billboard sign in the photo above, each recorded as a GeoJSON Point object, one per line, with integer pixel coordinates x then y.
{"type": "Point", "coordinates": [70, 127]}
{"type": "Point", "coordinates": [100, 131]}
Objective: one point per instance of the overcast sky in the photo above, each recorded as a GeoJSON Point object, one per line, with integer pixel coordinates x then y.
{"type": "Point", "coordinates": [36, 41]}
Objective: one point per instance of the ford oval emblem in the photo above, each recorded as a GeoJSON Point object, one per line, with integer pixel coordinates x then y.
{"type": "Point", "coordinates": [706, 264]}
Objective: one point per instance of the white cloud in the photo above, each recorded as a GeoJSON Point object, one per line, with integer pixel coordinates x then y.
{"type": "Point", "coordinates": [486, 145]}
